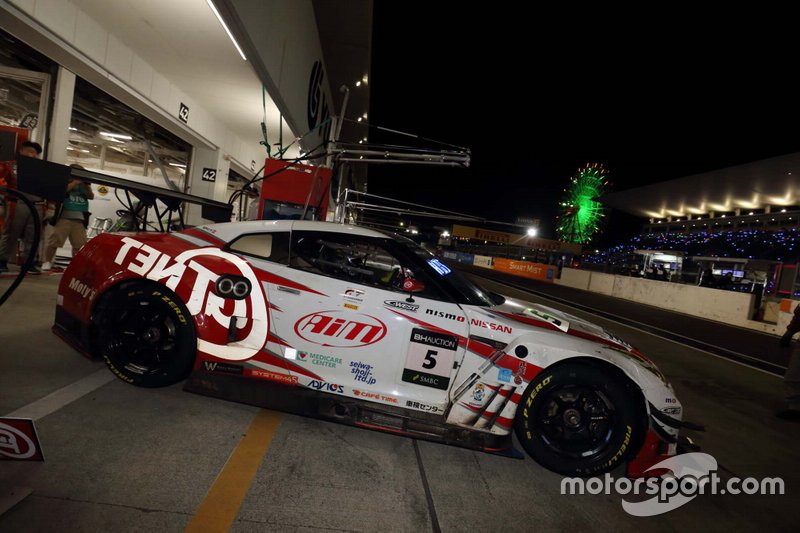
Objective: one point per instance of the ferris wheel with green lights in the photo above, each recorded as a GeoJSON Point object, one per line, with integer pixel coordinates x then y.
{"type": "Point", "coordinates": [580, 212]}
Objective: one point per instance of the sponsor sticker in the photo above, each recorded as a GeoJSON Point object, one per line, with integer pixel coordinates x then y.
{"type": "Point", "coordinates": [504, 374]}
{"type": "Point", "coordinates": [442, 314]}
{"type": "Point", "coordinates": [19, 441]}
{"type": "Point", "coordinates": [272, 376]}
{"type": "Point", "coordinates": [479, 392]}
{"type": "Point", "coordinates": [326, 387]}
{"type": "Point", "coordinates": [354, 307]}
{"type": "Point", "coordinates": [430, 358]}
{"type": "Point", "coordinates": [223, 368]}
{"type": "Point", "coordinates": [83, 289]}
{"type": "Point", "coordinates": [403, 306]}
{"type": "Point", "coordinates": [563, 325]}
{"type": "Point", "coordinates": [340, 329]}
{"type": "Point", "coordinates": [354, 295]}
{"type": "Point", "coordinates": [374, 396]}
{"type": "Point", "coordinates": [423, 407]}
{"type": "Point", "coordinates": [490, 325]}
{"type": "Point", "coordinates": [319, 359]}
{"type": "Point", "coordinates": [362, 372]}
{"type": "Point", "coordinates": [186, 275]}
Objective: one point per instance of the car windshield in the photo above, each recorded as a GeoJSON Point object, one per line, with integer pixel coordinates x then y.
{"type": "Point", "coordinates": [456, 284]}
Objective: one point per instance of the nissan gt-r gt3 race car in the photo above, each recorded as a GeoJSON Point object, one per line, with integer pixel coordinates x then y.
{"type": "Point", "coordinates": [366, 328]}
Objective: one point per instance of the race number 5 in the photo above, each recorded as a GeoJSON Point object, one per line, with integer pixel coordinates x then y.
{"type": "Point", "coordinates": [430, 358]}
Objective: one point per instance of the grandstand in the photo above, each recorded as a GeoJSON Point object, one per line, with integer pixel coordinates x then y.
{"type": "Point", "coordinates": [743, 219]}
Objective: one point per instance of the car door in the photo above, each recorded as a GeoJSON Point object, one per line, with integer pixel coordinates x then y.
{"type": "Point", "coordinates": [356, 330]}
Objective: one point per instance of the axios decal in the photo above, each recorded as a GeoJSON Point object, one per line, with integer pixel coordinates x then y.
{"type": "Point", "coordinates": [327, 387]}
{"type": "Point", "coordinates": [340, 329]}
{"type": "Point", "coordinates": [157, 266]}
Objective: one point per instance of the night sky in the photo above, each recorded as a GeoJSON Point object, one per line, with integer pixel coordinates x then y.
{"type": "Point", "coordinates": [535, 95]}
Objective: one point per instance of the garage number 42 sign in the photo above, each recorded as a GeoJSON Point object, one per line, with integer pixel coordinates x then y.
{"type": "Point", "coordinates": [430, 359]}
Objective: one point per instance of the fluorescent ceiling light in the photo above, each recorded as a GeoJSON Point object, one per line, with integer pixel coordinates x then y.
{"type": "Point", "coordinates": [177, 165]}
{"type": "Point", "coordinates": [73, 129]}
{"type": "Point", "coordinates": [116, 135]}
{"type": "Point", "coordinates": [225, 27]}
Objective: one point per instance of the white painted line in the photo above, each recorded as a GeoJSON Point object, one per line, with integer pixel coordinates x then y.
{"type": "Point", "coordinates": [584, 310]}
{"type": "Point", "coordinates": [64, 396]}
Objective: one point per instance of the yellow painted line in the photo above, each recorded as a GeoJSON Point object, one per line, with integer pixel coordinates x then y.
{"type": "Point", "coordinates": [221, 505]}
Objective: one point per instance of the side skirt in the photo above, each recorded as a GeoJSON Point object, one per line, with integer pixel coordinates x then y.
{"type": "Point", "coordinates": [344, 410]}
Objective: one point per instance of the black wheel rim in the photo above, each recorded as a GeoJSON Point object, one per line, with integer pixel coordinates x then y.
{"type": "Point", "coordinates": [576, 421]}
{"type": "Point", "coordinates": [142, 335]}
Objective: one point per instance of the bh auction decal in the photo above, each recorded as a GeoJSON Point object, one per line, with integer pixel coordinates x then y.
{"type": "Point", "coordinates": [430, 359]}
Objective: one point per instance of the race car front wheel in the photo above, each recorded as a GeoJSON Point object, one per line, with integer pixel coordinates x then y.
{"type": "Point", "coordinates": [579, 420]}
{"type": "Point", "coordinates": [145, 334]}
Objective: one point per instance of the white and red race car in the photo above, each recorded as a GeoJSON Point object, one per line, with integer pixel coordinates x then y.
{"type": "Point", "coordinates": [367, 328]}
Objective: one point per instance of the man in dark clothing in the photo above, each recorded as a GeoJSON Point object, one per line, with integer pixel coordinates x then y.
{"type": "Point", "coordinates": [726, 281]}
{"type": "Point", "coordinates": [19, 221]}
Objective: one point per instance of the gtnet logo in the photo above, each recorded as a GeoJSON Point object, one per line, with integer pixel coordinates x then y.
{"type": "Point", "coordinates": [692, 474]}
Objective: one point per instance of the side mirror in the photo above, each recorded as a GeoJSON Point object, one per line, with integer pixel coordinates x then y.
{"type": "Point", "coordinates": [411, 286]}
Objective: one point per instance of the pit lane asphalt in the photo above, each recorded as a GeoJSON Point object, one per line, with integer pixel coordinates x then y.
{"type": "Point", "coordinates": [121, 458]}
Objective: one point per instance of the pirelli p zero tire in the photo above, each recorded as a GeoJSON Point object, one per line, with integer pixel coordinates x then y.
{"type": "Point", "coordinates": [579, 420]}
{"type": "Point", "coordinates": [145, 334]}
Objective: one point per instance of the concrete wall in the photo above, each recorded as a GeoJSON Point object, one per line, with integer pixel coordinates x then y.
{"type": "Point", "coordinates": [725, 306]}
{"type": "Point", "coordinates": [572, 277]}
{"type": "Point", "coordinates": [602, 283]}
{"type": "Point", "coordinates": [712, 304]}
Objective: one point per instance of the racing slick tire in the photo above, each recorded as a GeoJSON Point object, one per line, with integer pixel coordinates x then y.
{"type": "Point", "coordinates": [145, 334]}
{"type": "Point", "coordinates": [579, 420]}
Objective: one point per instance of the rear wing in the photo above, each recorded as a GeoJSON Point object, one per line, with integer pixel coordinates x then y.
{"type": "Point", "coordinates": [49, 180]}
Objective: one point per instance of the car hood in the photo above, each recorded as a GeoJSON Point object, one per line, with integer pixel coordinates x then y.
{"type": "Point", "coordinates": [515, 317]}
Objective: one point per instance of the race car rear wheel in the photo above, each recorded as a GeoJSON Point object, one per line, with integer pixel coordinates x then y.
{"type": "Point", "coordinates": [145, 335]}
{"type": "Point", "coordinates": [579, 420]}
